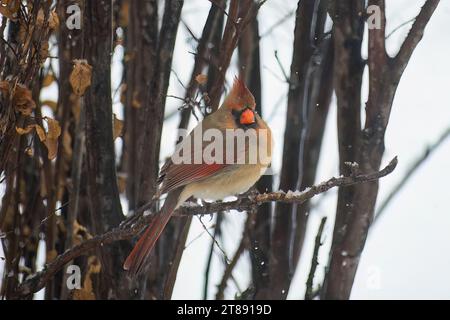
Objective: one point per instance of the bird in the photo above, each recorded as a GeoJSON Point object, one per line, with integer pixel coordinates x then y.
{"type": "Point", "coordinates": [210, 180]}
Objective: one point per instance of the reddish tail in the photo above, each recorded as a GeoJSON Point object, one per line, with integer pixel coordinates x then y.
{"type": "Point", "coordinates": [136, 259]}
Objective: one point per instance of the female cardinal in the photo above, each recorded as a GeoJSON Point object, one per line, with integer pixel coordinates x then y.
{"type": "Point", "coordinates": [236, 168]}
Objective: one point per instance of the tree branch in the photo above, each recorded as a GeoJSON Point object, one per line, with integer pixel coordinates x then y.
{"type": "Point", "coordinates": [414, 36]}
{"type": "Point", "coordinates": [315, 261]}
{"type": "Point", "coordinates": [410, 173]}
{"type": "Point", "coordinates": [143, 217]}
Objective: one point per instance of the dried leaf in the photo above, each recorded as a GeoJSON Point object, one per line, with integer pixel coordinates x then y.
{"type": "Point", "coordinates": [48, 80]}
{"type": "Point", "coordinates": [118, 128]}
{"type": "Point", "coordinates": [4, 87]}
{"type": "Point", "coordinates": [67, 144]}
{"type": "Point", "coordinates": [80, 78]}
{"type": "Point", "coordinates": [201, 78]}
{"type": "Point", "coordinates": [86, 293]}
{"type": "Point", "coordinates": [123, 93]}
{"type": "Point", "coordinates": [80, 233]}
{"type": "Point", "coordinates": [40, 132]}
{"type": "Point", "coordinates": [51, 255]}
{"type": "Point", "coordinates": [52, 104]}
{"type": "Point", "coordinates": [43, 52]}
{"type": "Point", "coordinates": [51, 141]}
{"type": "Point", "coordinates": [23, 131]}
{"type": "Point", "coordinates": [54, 129]}
{"type": "Point", "coordinates": [22, 100]}
{"type": "Point", "coordinates": [9, 9]}
{"type": "Point", "coordinates": [40, 18]}
{"type": "Point", "coordinates": [124, 14]}
{"type": "Point", "coordinates": [53, 20]}
{"type": "Point", "coordinates": [121, 182]}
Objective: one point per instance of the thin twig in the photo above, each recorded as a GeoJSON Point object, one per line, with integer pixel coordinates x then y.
{"type": "Point", "coordinates": [219, 220]}
{"type": "Point", "coordinates": [309, 295]}
{"type": "Point", "coordinates": [414, 167]}
{"type": "Point", "coordinates": [230, 266]}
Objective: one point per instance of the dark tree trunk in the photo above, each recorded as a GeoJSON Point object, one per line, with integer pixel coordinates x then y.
{"type": "Point", "coordinates": [105, 208]}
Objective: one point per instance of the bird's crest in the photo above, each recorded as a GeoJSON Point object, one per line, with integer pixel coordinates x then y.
{"type": "Point", "coordinates": [240, 96]}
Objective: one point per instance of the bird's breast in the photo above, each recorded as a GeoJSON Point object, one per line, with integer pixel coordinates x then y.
{"type": "Point", "coordinates": [232, 181]}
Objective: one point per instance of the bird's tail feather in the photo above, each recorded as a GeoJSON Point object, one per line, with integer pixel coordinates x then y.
{"type": "Point", "coordinates": [136, 259]}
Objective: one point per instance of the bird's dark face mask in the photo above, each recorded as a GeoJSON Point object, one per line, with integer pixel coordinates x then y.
{"type": "Point", "coordinates": [245, 118]}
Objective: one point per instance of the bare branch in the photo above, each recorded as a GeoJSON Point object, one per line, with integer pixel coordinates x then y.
{"type": "Point", "coordinates": [414, 167]}
{"type": "Point", "coordinates": [143, 217]}
{"type": "Point", "coordinates": [318, 243]}
{"type": "Point", "coordinates": [414, 36]}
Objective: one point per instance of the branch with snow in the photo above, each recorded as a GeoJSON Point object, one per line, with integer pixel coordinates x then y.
{"type": "Point", "coordinates": [133, 226]}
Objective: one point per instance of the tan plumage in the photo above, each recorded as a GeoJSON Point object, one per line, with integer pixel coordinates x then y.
{"type": "Point", "coordinates": [210, 181]}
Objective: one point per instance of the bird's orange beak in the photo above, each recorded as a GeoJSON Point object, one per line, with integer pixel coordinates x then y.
{"type": "Point", "coordinates": [247, 117]}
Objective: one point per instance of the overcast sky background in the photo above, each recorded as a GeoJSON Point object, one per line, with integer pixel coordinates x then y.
{"type": "Point", "coordinates": [407, 254]}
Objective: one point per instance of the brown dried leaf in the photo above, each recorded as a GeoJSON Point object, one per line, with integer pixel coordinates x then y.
{"type": "Point", "coordinates": [51, 141]}
{"type": "Point", "coordinates": [118, 128]}
{"type": "Point", "coordinates": [52, 104]}
{"type": "Point", "coordinates": [9, 8]}
{"type": "Point", "coordinates": [80, 78]}
{"type": "Point", "coordinates": [80, 233]}
{"type": "Point", "coordinates": [48, 80]}
{"type": "Point", "coordinates": [29, 151]}
{"type": "Point", "coordinates": [121, 182]}
{"type": "Point", "coordinates": [54, 129]}
{"type": "Point", "coordinates": [23, 131]}
{"type": "Point", "coordinates": [124, 14]}
{"type": "Point", "coordinates": [51, 255]}
{"type": "Point", "coordinates": [201, 78]}
{"type": "Point", "coordinates": [4, 87]}
{"type": "Point", "coordinates": [40, 18]}
{"type": "Point", "coordinates": [22, 100]}
{"type": "Point", "coordinates": [67, 144]}
{"type": "Point", "coordinates": [53, 20]}
{"type": "Point", "coordinates": [40, 132]}
{"type": "Point", "coordinates": [86, 293]}
{"type": "Point", "coordinates": [123, 93]}
{"type": "Point", "coordinates": [43, 52]}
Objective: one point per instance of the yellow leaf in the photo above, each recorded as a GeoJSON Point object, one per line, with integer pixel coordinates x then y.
{"type": "Point", "coordinates": [80, 78]}
{"type": "Point", "coordinates": [118, 128]}
{"type": "Point", "coordinates": [48, 80]}
{"type": "Point", "coordinates": [201, 78]}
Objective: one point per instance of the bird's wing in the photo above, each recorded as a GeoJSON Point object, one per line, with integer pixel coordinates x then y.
{"type": "Point", "coordinates": [174, 175]}
{"type": "Point", "coordinates": [178, 175]}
